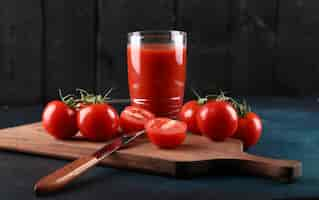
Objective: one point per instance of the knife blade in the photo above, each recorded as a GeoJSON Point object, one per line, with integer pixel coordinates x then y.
{"type": "Point", "coordinates": [63, 176]}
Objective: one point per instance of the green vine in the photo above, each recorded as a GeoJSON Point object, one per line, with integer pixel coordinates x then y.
{"type": "Point", "coordinates": [241, 108]}
{"type": "Point", "coordinates": [84, 97]}
{"type": "Point", "coordinates": [88, 98]}
{"type": "Point", "coordinates": [70, 100]}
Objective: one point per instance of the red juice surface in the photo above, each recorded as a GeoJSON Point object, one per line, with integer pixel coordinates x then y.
{"type": "Point", "coordinates": [156, 76]}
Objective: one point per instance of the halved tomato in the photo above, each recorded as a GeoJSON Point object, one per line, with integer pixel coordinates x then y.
{"type": "Point", "coordinates": [133, 119]}
{"type": "Point", "coordinates": [165, 132]}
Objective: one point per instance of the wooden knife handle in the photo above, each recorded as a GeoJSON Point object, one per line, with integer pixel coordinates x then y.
{"type": "Point", "coordinates": [283, 170]}
{"type": "Point", "coordinates": [61, 177]}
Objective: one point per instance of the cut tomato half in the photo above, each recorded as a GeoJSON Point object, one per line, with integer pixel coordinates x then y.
{"type": "Point", "coordinates": [133, 119]}
{"type": "Point", "coordinates": [165, 132]}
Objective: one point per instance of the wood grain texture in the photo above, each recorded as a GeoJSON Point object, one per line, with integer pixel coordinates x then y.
{"type": "Point", "coordinates": [117, 18]}
{"type": "Point", "coordinates": [70, 46]}
{"type": "Point", "coordinates": [197, 156]}
{"type": "Point", "coordinates": [20, 51]}
{"type": "Point", "coordinates": [298, 64]}
{"type": "Point", "coordinates": [252, 48]}
{"type": "Point", "coordinates": [206, 23]}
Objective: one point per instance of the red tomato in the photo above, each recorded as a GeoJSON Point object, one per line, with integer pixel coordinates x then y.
{"type": "Point", "coordinates": [59, 120]}
{"type": "Point", "coordinates": [133, 119]}
{"type": "Point", "coordinates": [249, 129]}
{"type": "Point", "coordinates": [98, 122]}
{"type": "Point", "coordinates": [217, 120]}
{"type": "Point", "coordinates": [188, 115]}
{"type": "Point", "coordinates": [165, 132]}
{"type": "Point", "coordinates": [80, 106]}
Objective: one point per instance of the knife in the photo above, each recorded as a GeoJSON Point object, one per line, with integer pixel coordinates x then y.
{"type": "Point", "coordinates": [63, 176]}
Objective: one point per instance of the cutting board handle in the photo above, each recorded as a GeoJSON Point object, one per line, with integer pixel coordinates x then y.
{"type": "Point", "coordinates": [283, 170]}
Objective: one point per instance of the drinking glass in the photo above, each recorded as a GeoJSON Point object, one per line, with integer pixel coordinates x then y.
{"type": "Point", "coordinates": [157, 70]}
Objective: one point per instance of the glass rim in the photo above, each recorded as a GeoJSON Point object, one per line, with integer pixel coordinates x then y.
{"type": "Point", "coordinates": [156, 32]}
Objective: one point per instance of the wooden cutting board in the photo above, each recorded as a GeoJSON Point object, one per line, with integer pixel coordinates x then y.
{"type": "Point", "coordinates": [197, 156]}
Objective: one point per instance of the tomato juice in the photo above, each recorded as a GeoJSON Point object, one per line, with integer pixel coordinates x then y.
{"type": "Point", "coordinates": [156, 76]}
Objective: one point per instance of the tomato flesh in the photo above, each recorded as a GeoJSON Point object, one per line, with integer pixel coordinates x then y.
{"type": "Point", "coordinates": [98, 122]}
{"type": "Point", "coordinates": [188, 115]}
{"type": "Point", "coordinates": [165, 132]}
{"type": "Point", "coordinates": [133, 119]}
{"type": "Point", "coordinates": [249, 129]}
{"type": "Point", "coordinates": [59, 120]}
{"type": "Point", "coordinates": [217, 120]}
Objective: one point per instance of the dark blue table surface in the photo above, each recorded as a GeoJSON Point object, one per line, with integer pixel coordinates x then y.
{"type": "Point", "coordinates": [291, 131]}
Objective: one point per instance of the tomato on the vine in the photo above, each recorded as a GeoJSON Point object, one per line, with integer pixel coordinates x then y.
{"type": "Point", "coordinates": [188, 115]}
{"type": "Point", "coordinates": [59, 120]}
{"type": "Point", "coordinates": [165, 132]}
{"type": "Point", "coordinates": [249, 129]}
{"type": "Point", "coordinates": [133, 118]}
{"type": "Point", "coordinates": [80, 106]}
{"type": "Point", "coordinates": [217, 120]}
{"type": "Point", "coordinates": [98, 122]}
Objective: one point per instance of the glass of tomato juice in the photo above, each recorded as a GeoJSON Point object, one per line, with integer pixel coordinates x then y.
{"type": "Point", "coordinates": [157, 70]}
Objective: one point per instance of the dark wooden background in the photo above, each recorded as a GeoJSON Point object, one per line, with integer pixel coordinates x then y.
{"type": "Point", "coordinates": [248, 47]}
